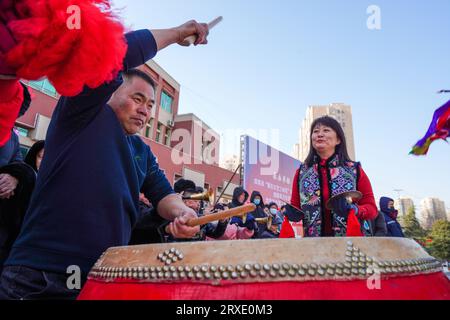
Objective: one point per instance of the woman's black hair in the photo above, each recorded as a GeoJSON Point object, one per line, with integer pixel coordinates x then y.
{"type": "Point", "coordinates": [341, 149]}
{"type": "Point", "coordinates": [30, 158]}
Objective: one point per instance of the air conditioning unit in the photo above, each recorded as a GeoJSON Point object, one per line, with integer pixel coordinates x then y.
{"type": "Point", "coordinates": [170, 123]}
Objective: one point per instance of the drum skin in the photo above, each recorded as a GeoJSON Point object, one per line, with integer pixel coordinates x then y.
{"type": "Point", "coordinates": [287, 269]}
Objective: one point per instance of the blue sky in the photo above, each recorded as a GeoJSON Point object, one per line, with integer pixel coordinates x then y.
{"type": "Point", "coordinates": [269, 60]}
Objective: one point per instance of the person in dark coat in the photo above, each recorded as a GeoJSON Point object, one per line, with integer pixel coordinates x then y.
{"type": "Point", "coordinates": [212, 230]}
{"type": "Point", "coordinates": [277, 219]}
{"type": "Point", "coordinates": [257, 199]}
{"type": "Point", "coordinates": [390, 215]}
{"type": "Point", "coordinates": [378, 226]}
{"type": "Point", "coordinates": [263, 231]}
{"type": "Point", "coordinates": [150, 227]}
{"type": "Point", "coordinates": [35, 155]}
{"type": "Point", "coordinates": [183, 185]}
{"type": "Point", "coordinates": [240, 196]}
{"type": "Point", "coordinates": [202, 203]}
{"type": "Point", "coordinates": [261, 212]}
{"type": "Point", "coordinates": [17, 181]}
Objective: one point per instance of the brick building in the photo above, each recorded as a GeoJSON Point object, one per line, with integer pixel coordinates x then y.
{"type": "Point", "coordinates": [170, 136]}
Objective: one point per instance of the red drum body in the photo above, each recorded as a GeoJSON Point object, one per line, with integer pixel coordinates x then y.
{"type": "Point", "coordinates": [275, 269]}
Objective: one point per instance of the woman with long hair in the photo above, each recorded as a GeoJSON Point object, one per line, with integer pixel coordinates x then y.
{"type": "Point", "coordinates": [326, 172]}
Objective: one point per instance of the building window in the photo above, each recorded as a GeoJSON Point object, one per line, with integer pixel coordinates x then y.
{"type": "Point", "coordinates": [166, 102]}
{"type": "Point", "coordinates": [22, 132]}
{"type": "Point", "coordinates": [167, 137]}
{"type": "Point", "coordinates": [148, 129]}
{"type": "Point", "coordinates": [158, 132]}
{"type": "Point", "coordinates": [44, 86]}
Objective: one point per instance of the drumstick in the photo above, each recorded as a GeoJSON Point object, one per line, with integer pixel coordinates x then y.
{"type": "Point", "coordinates": [235, 212]}
{"type": "Point", "coordinates": [191, 39]}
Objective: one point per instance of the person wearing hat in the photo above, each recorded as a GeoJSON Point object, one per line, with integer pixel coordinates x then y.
{"type": "Point", "coordinates": [234, 228]}
{"type": "Point", "coordinates": [187, 188]}
{"type": "Point", "coordinates": [261, 212]}
{"type": "Point", "coordinates": [240, 196]}
{"type": "Point", "coordinates": [212, 230]}
{"type": "Point", "coordinates": [277, 219]}
{"type": "Point", "coordinates": [35, 155]}
{"type": "Point", "coordinates": [390, 214]}
{"type": "Point", "coordinates": [152, 228]}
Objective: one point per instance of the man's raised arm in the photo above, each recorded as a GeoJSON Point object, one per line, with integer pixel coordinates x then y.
{"type": "Point", "coordinates": [166, 37]}
{"type": "Point", "coordinates": [143, 45]}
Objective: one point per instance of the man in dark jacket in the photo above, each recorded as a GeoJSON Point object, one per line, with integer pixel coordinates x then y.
{"type": "Point", "coordinates": [390, 215]}
{"type": "Point", "coordinates": [86, 198]}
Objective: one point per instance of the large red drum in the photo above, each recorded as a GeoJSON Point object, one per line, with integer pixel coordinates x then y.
{"type": "Point", "coordinates": [293, 269]}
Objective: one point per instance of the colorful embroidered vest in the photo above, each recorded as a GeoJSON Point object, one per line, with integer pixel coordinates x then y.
{"type": "Point", "coordinates": [341, 178]}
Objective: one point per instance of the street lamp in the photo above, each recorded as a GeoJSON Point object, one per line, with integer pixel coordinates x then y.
{"type": "Point", "coordinates": [398, 192]}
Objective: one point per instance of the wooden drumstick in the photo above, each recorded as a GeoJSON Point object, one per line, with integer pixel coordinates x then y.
{"type": "Point", "coordinates": [235, 212]}
{"type": "Point", "coordinates": [191, 39]}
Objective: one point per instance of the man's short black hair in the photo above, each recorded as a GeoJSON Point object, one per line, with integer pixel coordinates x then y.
{"type": "Point", "coordinates": [131, 73]}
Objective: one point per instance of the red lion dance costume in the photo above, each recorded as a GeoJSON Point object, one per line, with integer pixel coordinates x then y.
{"type": "Point", "coordinates": [37, 41]}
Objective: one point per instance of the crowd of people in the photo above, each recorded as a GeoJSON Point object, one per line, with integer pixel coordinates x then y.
{"type": "Point", "coordinates": [264, 223]}
{"type": "Point", "coordinates": [80, 192]}
{"type": "Point", "coordinates": [267, 221]}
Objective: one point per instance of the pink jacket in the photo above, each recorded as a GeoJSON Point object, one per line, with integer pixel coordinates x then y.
{"type": "Point", "coordinates": [234, 232]}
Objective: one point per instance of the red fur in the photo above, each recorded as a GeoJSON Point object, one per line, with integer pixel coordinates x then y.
{"type": "Point", "coordinates": [70, 59]}
{"type": "Point", "coordinates": [353, 225]}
